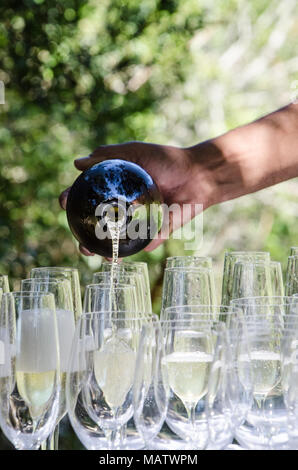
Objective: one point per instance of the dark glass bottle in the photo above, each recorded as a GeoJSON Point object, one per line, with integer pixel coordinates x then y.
{"type": "Point", "coordinates": [118, 190]}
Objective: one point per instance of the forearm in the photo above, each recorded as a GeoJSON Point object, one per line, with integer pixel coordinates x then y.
{"type": "Point", "coordinates": [248, 158]}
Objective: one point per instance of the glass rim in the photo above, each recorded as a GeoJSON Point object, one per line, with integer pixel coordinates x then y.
{"type": "Point", "coordinates": [55, 268]}
{"type": "Point", "coordinates": [128, 267]}
{"type": "Point", "coordinates": [140, 263]}
{"type": "Point", "coordinates": [132, 263]}
{"type": "Point", "coordinates": [186, 324]}
{"type": "Point", "coordinates": [27, 294]}
{"type": "Point", "coordinates": [103, 314]}
{"type": "Point", "coordinates": [188, 269]}
{"type": "Point", "coordinates": [243, 300]}
{"type": "Point", "coordinates": [104, 286]}
{"type": "Point", "coordinates": [207, 306]}
{"type": "Point", "coordinates": [43, 280]}
{"type": "Point", "coordinates": [205, 309]}
{"type": "Point", "coordinates": [122, 274]}
{"type": "Point", "coordinates": [199, 320]}
{"type": "Point", "coordinates": [246, 253]}
{"type": "Point", "coordinates": [189, 257]}
{"type": "Point", "coordinates": [259, 262]}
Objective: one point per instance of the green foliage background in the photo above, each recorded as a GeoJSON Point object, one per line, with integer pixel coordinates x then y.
{"type": "Point", "coordinates": [79, 73]}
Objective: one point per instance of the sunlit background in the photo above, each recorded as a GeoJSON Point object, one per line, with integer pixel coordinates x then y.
{"type": "Point", "coordinates": [81, 73]}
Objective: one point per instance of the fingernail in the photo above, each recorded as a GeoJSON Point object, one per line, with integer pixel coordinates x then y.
{"type": "Point", "coordinates": [85, 251]}
{"type": "Point", "coordinates": [82, 158]}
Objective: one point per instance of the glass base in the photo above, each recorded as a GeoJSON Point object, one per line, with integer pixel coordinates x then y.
{"type": "Point", "coordinates": [249, 438]}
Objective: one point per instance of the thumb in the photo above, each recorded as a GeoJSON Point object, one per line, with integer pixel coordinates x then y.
{"type": "Point", "coordinates": [103, 152]}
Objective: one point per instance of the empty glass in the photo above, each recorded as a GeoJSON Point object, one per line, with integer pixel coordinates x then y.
{"type": "Point", "coordinates": [100, 298]}
{"type": "Point", "coordinates": [228, 272]}
{"type": "Point", "coordinates": [121, 277]}
{"type": "Point", "coordinates": [71, 274]}
{"type": "Point", "coordinates": [188, 286]}
{"type": "Point", "coordinates": [189, 262]}
{"type": "Point", "coordinates": [257, 279]}
{"type": "Point", "coordinates": [29, 370]}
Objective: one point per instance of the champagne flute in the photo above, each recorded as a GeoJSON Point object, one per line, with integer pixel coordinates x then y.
{"type": "Point", "coordinates": [150, 391]}
{"type": "Point", "coordinates": [263, 333]}
{"type": "Point", "coordinates": [100, 298]}
{"type": "Point", "coordinates": [228, 272]}
{"type": "Point", "coordinates": [71, 274]}
{"type": "Point", "coordinates": [122, 277]}
{"type": "Point", "coordinates": [139, 268]}
{"type": "Point", "coordinates": [30, 372]}
{"type": "Point", "coordinates": [142, 268]}
{"type": "Point", "coordinates": [101, 372]}
{"type": "Point", "coordinates": [252, 279]}
{"type": "Point", "coordinates": [61, 289]}
{"type": "Point", "coordinates": [290, 380]}
{"type": "Point", "coordinates": [189, 349]}
{"type": "Point", "coordinates": [193, 286]}
{"type": "Point", "coordinates": [228, 398]}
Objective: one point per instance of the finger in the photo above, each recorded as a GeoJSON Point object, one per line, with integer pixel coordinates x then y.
{"type": "Point", "coordinates": [153, 245]}
{"type": "Point", "coordinates": [63, 198]}
{"type": "Point", "coordinates": [84, 251]}
{"type": "Point", "coordinates": [84, 162]}
{"type": "Point", "coordinates": [174, 220]}
{"type": "Point", "coordinates": [164, 234]}
{"type": "Point", "coordinates": [103, 152]}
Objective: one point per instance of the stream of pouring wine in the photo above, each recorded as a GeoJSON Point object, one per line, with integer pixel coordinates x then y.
{"type": "Point", "coordinates": [114, 228]}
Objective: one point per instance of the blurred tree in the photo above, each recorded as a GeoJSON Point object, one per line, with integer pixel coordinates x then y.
{"type": "Point", "coordinates": [79, 73]}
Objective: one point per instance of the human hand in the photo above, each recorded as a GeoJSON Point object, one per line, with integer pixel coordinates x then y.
{"type": "Point", "coordinates": [172, 168]}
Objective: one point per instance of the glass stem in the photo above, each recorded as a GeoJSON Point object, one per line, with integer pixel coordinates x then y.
{"type": "Point", "coordinates": [52, 442]}
{"type": "Point", "coordinates": [123, 432]}
{"type": "Point", "coordinates": [191, 413]}
{"type": "Point", "coordinates": [114, 438]}
{"type": "Point", "coordinates": [261, 428]}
